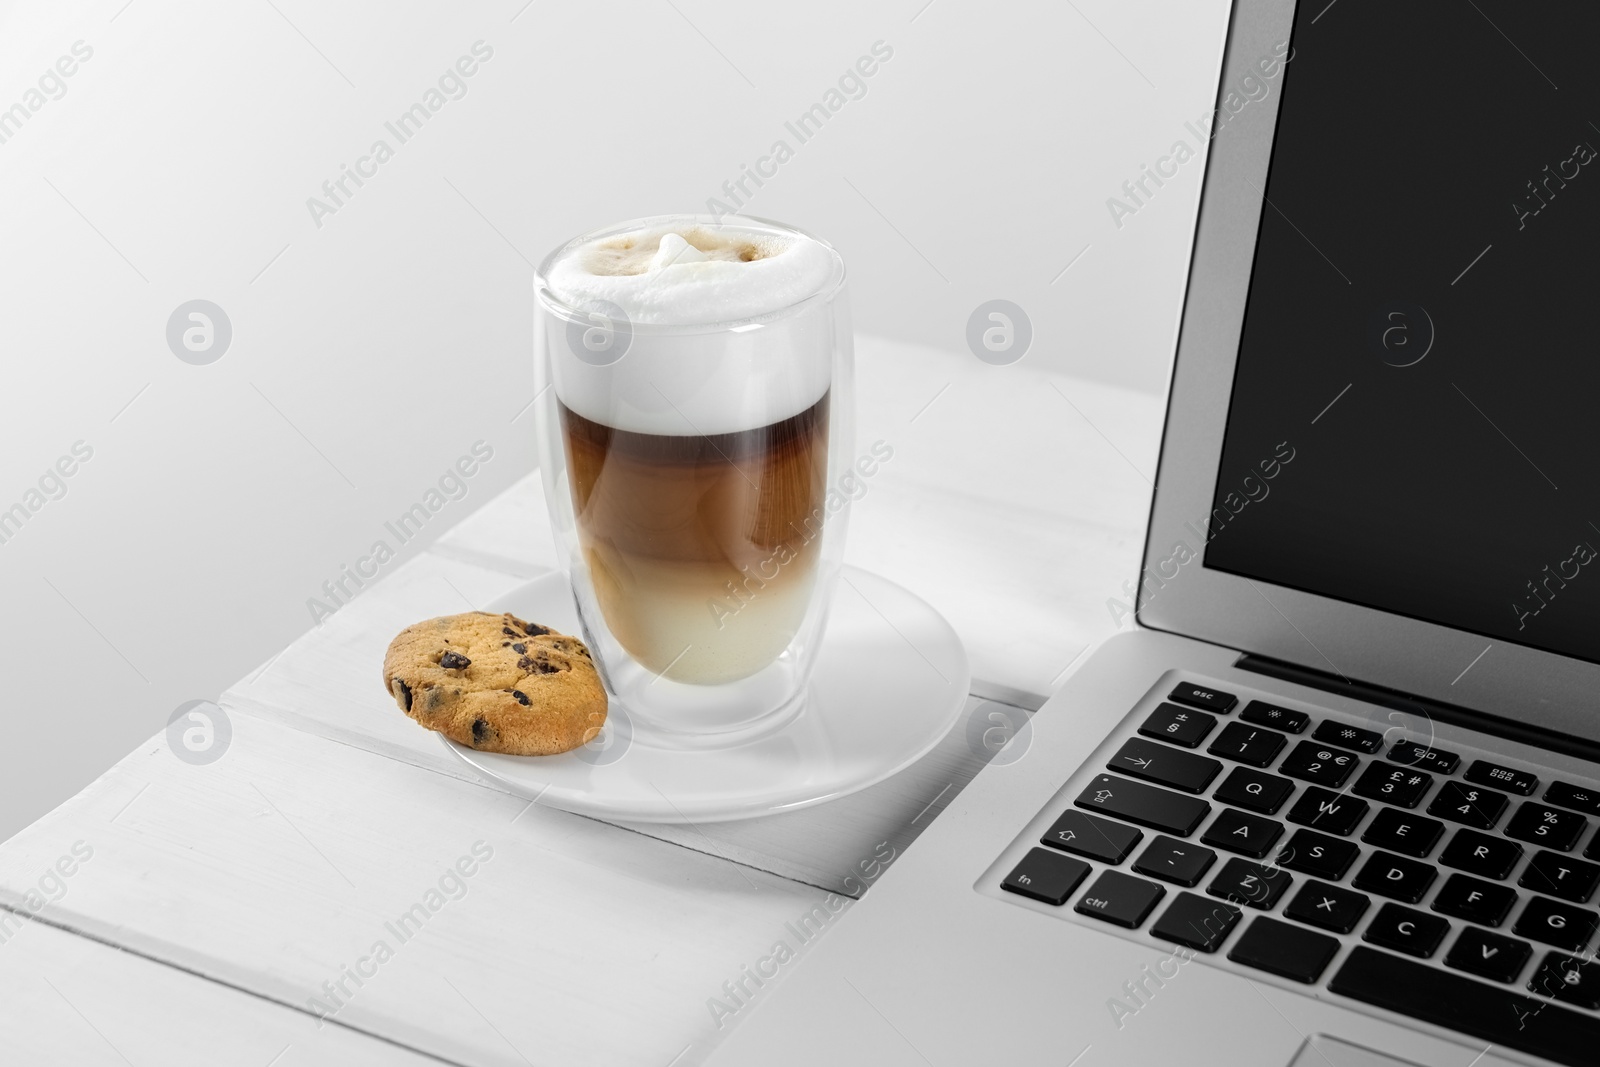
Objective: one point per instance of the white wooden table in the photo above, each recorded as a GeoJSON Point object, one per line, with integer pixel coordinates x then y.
{"type": "Point", "coordinates": [189, 914]}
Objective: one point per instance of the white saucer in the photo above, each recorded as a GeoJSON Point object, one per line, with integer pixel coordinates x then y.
{"type": "Point", "coordinates": [890, 681]}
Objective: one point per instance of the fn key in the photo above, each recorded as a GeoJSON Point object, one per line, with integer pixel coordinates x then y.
{"type": "Point", "coordinates": [1047, 876]}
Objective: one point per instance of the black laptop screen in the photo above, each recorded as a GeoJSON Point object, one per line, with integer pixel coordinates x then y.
{"type": "Point", "coordinates": [1415, 421]}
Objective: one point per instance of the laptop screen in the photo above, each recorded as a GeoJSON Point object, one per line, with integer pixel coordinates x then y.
{"type": "Point", "coordinates": [1415, 418]}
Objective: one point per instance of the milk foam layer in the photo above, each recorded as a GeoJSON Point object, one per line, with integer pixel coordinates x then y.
{"type": "Point", "coordinates": [694, 274]}
{"type": "Point", "coordinates": [677, 280]}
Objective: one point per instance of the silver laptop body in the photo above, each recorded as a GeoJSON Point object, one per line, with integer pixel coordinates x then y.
{"type": "Point", "coordinates": [1021, 928]}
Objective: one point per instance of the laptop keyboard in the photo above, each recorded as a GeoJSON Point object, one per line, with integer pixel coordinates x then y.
{"type": "Point", "coordinates": [1264, 834]}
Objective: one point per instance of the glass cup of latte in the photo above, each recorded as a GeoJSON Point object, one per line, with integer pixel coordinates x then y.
{"type": "Point", "coordinates": [696, 409]}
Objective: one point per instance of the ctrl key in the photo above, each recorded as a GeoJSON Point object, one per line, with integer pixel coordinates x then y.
{"type": "Point", "coordinates": [1120, 899]}
{"type": "Point", "coordinates": [1047, 876]}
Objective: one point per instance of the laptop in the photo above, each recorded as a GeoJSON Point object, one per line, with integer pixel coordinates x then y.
{"type": "Point", "coordinates": [1334, 799]}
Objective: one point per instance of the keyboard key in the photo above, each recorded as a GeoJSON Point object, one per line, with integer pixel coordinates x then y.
{"type": "Point", "coordinates": [1568, 978]}
{"type": "Point", "coordinates": [1468, 804]}
{"type": "Point", "coordinates": [1287, 951]}
{"type": "Point", "coordinates": [1177, 861]}
{"type": "Point", "coordinates": [1146, 805]}
{"type": "Point", "coordinates": [1195, 922]}
{"type": "Point", "coordinates": [1398, 831]}
{"type": "Point", "coordinates": [1164, 765]}
{"type": "Point", "coordinates": [1319, 764]}
{"type": "Point", "coordinates": [1254, 790]}
{"type": "Point", "coordinates": [1263, 714]}
{"type": "Point", "coordinates": [1241, 832]}
{"type": "Point", "coordinates": [1555, 874]}
{"type": "Point", "coordinates": [1576, 797]}
{"type": "Point", "coordinates": [1332, 732]}
{"type": "Point", "coordinates": [1489, 1013]}
{"type": "Point", "coordinates": [1548, 827]}
{"type": "Point", "coordinates": [1250, 883]}
{"type": "Point", "coordinates": [1556, 924]}
{"type": "Point", "coordinates": [1415, 933]}
{"type": "Point", "coordinates": [1333, 813]}
{"type": "Point", "coordinates": [1047, 876]}
{"type": "Point", "coordinates": [1085, 835]}
{"type": "Point", "coordinates": [1327, 906]}
{"type": "Point", "coordinates": [1482, 772]}
{"type": "Point", "coordinates": [1199, 696]}
{"type": "Point", "coordinates": [1317, 854]}
{"type": "Point", "coordinates": [1181, 726]}
{"type": "Point", "coordinates": [1393, 785]}
{"type": "Point", "coordinates": [1475, 853]}
{"type": "Point", "coordinates": [1120, 899]}
{"type": "Point", "coordinates": [1593, 851]}
{"type": "Point", "coordinates": [1487, 955]}
{"type": "Point", "coordinates": [1475, 901]}
{"type": "Point", "coordinates": [1254, 745]}
{"type": "Point", "coordinates": [1416, 754]}
{"type": "Point", "coordinates": [1395, 877]}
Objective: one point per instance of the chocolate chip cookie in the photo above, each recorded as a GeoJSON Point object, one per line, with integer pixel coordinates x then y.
{"type": "Point", "coordinates": [496, 683]}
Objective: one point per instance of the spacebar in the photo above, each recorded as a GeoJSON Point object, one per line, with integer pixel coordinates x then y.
{"type": "Point", "coordinates": [1498, 1015]}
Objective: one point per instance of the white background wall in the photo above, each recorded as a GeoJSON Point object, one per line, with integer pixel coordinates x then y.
{"type": "Point", "coordinates": [369, 353]}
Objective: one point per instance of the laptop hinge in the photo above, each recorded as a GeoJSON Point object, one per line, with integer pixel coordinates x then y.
{"type": "Point", "coordinates": [1522, 733]}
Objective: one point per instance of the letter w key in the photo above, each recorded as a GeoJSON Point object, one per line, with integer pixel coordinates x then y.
{"type": "Point", "coordinates": [1330, 812]}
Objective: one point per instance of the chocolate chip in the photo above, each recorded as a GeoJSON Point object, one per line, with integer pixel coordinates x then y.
{"type": "Point", "coordinates": [454, 661]}
{"type": "Point", "coordinates": [535, 630]}
{"type": "Point", "coordinates": [546, 667]}
{"type": "Point", "coordinates": [480, 730]}
{"type": "Point", "coordinates": [404, 694]}
{"type": "Point", "coordinates": [522, 698]}
{"type": "Point", "coordinates": [524, 664]}
{"type": "Point", "coordinates": [509, 632]}
{"type": "Point", "coordinates": [521, 649]}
